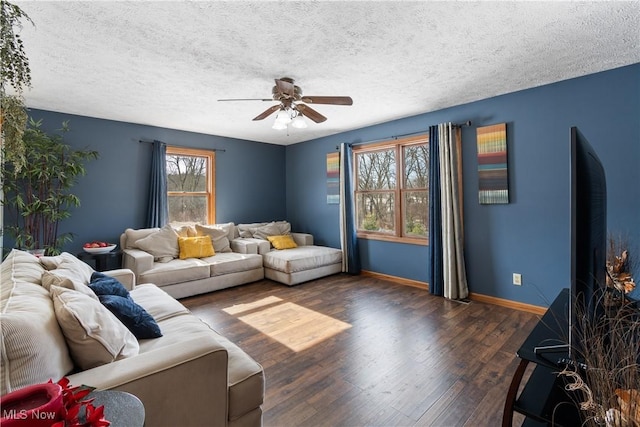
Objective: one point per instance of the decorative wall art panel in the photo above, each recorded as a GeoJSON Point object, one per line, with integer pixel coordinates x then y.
{"type": "Point", "coordinates": [333, 178]}
{"type": "Point", "coordinates": [492, 164]}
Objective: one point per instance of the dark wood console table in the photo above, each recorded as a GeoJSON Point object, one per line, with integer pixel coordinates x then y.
{"type": "Point", "coordinates": [543, 399]}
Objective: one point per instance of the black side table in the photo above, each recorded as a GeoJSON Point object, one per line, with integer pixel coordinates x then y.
{"type": "Point", "coordinates": [121, 409]}
{"type": "Point", "coordinates": [102, 262]}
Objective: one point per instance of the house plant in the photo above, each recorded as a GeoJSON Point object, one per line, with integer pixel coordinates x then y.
{"type": "Point", "coordinates": [38, 193]}
{"type": "Point", "coordinates": [608, 384]}
{"type": "Point", "coordinates": [14, 73]}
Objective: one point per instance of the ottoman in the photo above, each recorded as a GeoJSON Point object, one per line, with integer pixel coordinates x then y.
{"type": "Point", "coordinates": [301, 264]}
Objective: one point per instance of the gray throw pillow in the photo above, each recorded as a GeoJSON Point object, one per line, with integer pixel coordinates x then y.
{"type": "Point", "coordinates": [162, 244]}
{"type": "Point", "coordinates": [219, 236]}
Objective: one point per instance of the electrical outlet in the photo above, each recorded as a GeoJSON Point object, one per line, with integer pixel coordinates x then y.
{"type": "Point", "coordinates": [517, 279]}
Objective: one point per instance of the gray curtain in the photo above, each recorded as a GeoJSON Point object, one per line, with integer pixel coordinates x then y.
{"type": "Point", "coordinates": [348, 238]}
{"type": "Point", "coordinates": [449, 231]}
{"type": "Point", "coordinates": [158, 210]}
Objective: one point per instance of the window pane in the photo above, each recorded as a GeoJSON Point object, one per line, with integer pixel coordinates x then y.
{"type": "Point", "coordinates": [188, 209]}
{"type": "Point", "coordinates": [416, 166]}
{"type": "Point", "coordinates": [377, 170]}
{"type": "Point", "coordinates": [416, 213]}
{"type": "Point", "coordinates": [186, 173]}
{"type": "Point", "coordinates": [376, 212]}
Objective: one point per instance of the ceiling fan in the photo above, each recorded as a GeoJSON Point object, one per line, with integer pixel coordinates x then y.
{"type": "Point", "coordinates": [292, 105]}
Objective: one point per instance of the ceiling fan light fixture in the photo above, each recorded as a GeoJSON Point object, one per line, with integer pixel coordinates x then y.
{"type": "Point", "coordinates": [298, 122]}
{"type": "Point", "coordinates": [283, 117]}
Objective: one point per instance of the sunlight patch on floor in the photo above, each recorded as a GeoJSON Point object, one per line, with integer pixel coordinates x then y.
{"type": "Point", "coordinates": [241, 308]}
{"type": "Point", "coordinates": [290, 324]}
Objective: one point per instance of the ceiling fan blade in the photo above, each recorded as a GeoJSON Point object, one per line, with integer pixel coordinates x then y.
{"type": "Point", "coordinates": [307, 111]}
{"type": "Point", "coordinates": [285, 87]}
{"type": "Point", "coordinates": [246, 99]}
{"type": "Point", "coordinates": [335, 100]}
{"type": "Point", "coordinates": [267, 112]}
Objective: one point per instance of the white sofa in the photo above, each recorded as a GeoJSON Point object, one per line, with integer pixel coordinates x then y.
{"type": "Point", "coordinates": [190, 376]}
{"type": "Point", "coordinates": [243, 254]}
{"type": "Point", "coordinates": [294, 265]}
{"type": "Point", "coordinates": [233, 263]}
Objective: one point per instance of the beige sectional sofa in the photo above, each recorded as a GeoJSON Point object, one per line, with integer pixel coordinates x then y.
{"type": "Point", "coordinates": [153, 255]}
{"type": "Point", "coordinates": [293, 265]}
{"type": "Point", "coordinates": [52, 327]}
{"type": "Point", "coordinates": [243, 254]}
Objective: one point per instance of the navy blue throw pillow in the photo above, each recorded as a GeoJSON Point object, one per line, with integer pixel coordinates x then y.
{"type": "Point", "coordinates": [132, 315]}
{"type": "Point", "coordinates": [101, 284]}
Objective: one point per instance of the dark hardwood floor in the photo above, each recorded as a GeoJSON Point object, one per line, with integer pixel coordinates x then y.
{"type": "Point", "coordinates": [355, 351]}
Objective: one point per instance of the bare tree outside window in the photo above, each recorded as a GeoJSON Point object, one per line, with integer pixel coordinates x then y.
{"type": "Point", "coordinates": [388, 207]}
{"type": "Point", "coordinates": [376, 184]}
{"type": "Point", "coordinates": [188, 186]}
{"type": "Point", "coordinates": [416, 190]}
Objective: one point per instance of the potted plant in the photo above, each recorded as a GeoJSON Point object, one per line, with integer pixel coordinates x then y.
{"type": "Point", "coordinates": [39, 192]}
{"type": "Point", "coordinates": [608, 384]}
{"type": "Point", "coordinates": [14, 72]}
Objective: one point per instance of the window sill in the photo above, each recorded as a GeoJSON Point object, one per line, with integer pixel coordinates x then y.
{"type": "Point", "coordinates": [396, 239]}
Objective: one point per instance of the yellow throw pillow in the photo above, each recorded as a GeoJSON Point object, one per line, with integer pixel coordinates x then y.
{"type": "Point", "coordinates": [282, 242]}
{"type": "Point", "coordinates": [195, 247]}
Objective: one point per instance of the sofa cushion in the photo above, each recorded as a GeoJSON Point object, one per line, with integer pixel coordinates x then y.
{"type": "Point", "coordinates": [67, 271]}
{"type": "Point", "coordinates": [264, 231]}
{"type": "Point", "coordinates": [33, 348]}
{"type": "Point", "coordinates": [177, 329]}
{"type": "Point", "coordinates": [53, 278]}
{"type": "Point", "coordinates": [195, 247]}
{"type": "Point", "coordinates": [94, 335]}
{"type": "Point", "coordinates": [162, 244]}
{"type": "Point", "coordinates": [185, 230]}
{"type": "Point", "coordinates": [301, 258]}
{"type": "Point", "coordinates": [282, 242]}
{"type": "Point", "coordinates": [219, 235]}
{"type": "Point", "coordinates": [132, 315]}
{"type": "Point", "coordinates": [175, 271]}
{"type": "Point", "coordinates": [247, 230]}
{"type": "Point", "coordinates": [232, 262]}
{"type": "Point", "coordinates": [156, 302]}
{"type": "Point", "coordinates": [132, 236]}
{"type": "Point", "coordinates": [20, 267]}
{"type": "Point", "coordinates": [117, 299]}
{"type": "Point", "coordinates": [101, 284]}
{"type": "Point", "coordinates": [274, 228]}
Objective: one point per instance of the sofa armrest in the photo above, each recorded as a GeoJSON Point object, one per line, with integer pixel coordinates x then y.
{"type": "Point", "coordinates": [302, 239]}
{"type": "Point", "coordinates": [124, 276]}
{"type": "Point", "coordinates": [244, 246]}
{"type": "Point", "coordinates": [262, 246]}
{"type": "Point", "coordinates": [179, 384]}
{"type": "Point", "coordinates": [137, 260]}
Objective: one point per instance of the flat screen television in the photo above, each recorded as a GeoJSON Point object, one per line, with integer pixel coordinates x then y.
{"type": "Point", "coordinates": [588, 237]}
{"type": "Point", "coordinates": [588, 195]}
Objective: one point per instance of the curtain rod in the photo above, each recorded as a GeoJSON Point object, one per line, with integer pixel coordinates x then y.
{"type": "Point", "coordinates": [222, 150]}
{"type": "Point", "coordinates": [467, 123]}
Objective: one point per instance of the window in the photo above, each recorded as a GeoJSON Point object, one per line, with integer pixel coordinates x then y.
{"type": "Point", "coordinates": [190, 185]}
{"type": "Point", "coordinates": [392, 190]}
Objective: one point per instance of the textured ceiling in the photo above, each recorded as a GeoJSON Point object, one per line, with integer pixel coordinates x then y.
{"type": "Point", "coordinates": [167, 63]}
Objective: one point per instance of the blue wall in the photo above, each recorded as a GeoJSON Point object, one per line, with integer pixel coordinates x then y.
{"type": "Point", "coordinates": [250, 176]}
{"type": "Point", "coordinates": [259, 182]}
{"type": "Point", "coordinates": [530, 235]}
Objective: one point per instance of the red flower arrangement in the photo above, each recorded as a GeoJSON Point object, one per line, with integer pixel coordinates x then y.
{"type": "Point", "coordinates": [72, 398]}
{"type": "Point", "coordinates": [51, 405]}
